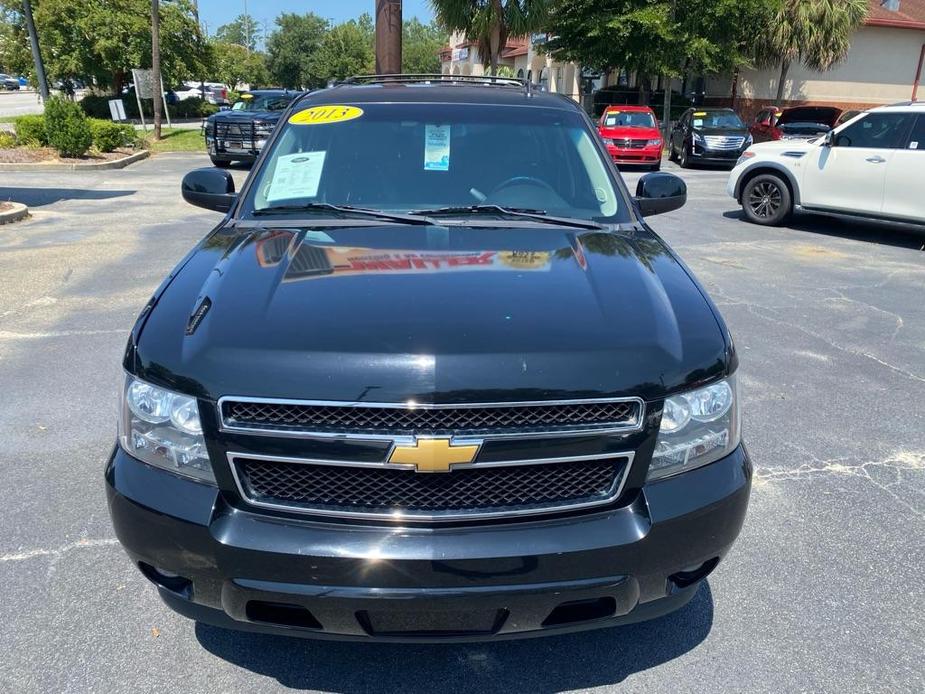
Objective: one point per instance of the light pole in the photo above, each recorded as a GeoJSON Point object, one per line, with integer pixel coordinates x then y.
{"type": "Point", "coordinates": [36, 53]}
{"type": "Point", "coordinates": [156, 66]}
{"type": "Point", "coordinates": [388, 37]}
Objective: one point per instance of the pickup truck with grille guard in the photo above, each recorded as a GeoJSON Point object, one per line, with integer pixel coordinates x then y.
{"type": "Point", "coordinates": [432, 377]}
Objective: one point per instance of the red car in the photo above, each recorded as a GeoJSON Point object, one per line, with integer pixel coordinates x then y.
{"type": "Point", "coordinates": [632, 136]}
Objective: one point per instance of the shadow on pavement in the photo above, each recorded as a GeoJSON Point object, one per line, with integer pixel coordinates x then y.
{"type": "Point", "coordinates": [899, 235]}
{"type": "Point", "coordinates": [549, 664]}
{"type": "Point", "coordinates": [36, 197]}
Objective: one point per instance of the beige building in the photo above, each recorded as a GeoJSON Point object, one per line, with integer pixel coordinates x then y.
{"type": "Point", "coordinates": [883, 66]}
{"type": "Point", "coordinates": [522, 58]}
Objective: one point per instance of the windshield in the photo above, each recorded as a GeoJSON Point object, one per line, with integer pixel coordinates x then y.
{"type": "Point", "coordinates": [262, 103]}
{"type": "Point", "coordinates": [717, 119]}
{"type": "Point", "coordinates": [426, 156]}
{"type": "Point", "coordinates": [628, 119]}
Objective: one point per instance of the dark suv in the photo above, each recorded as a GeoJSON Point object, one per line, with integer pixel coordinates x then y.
{"type": "Point", "coordinates": [431, 377]}
{"type": "Point", "coordinates": [708, 136]}
{"type": "Point", "coordinates": [240, 133]}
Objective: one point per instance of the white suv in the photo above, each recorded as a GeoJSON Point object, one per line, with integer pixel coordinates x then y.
{"type": "Point", "coordinates": [872, 166]}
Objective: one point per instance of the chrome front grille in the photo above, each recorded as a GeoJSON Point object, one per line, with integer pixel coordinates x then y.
{"type": "Point", "coordinates": [723, 142]}
{"type": "Point", "coordinates": [391, 420]}
{"type": "Point", "coordinates": [396, 494]}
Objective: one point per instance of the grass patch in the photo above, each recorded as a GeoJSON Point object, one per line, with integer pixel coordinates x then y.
{"type": "Point", "coordinates": [177, 140]}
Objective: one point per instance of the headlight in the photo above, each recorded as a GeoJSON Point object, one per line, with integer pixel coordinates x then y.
{"type": "Point", "coordinates": [697, 428]}
{"type": "Point", "coordinates": [698, 138]}
{"type": "Point", "coordinates": [162, 428]}
{"type": "Point", "coordinates": [655, 143]}
{"type": "Point", "coordinates": [749, 141]}
{"type": "Point", "coordinates": [745, 157]}
{"type": "Point", "coordinates": [607, 140]}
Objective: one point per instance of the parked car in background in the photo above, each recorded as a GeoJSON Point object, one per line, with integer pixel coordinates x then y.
{"type": "Point", "coordinates": [708, 136]}
{"type": "Point", "coordinates": [797, 123]}
{"type": "Point", "coordinates": [763, 124]}
{"type": "Point", "coordinates": [8, 82]}
{"type": "Point", "coordinates": [631, 135]}
{"type": "Point", "coordinates": [870, 167]}
{"type": "Point", "coordinates": [239, 134]}
{"type": "Point", "coordinates": [23, 82]}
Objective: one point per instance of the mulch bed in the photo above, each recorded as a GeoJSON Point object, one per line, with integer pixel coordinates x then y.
{"type": "Point", "coordinates": [37, 155]}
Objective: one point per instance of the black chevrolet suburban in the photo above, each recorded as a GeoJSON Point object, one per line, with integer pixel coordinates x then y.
{"type": "Point", "coordinates": [431, 378]}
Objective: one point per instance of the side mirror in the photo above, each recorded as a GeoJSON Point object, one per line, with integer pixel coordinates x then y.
{"type": "Point", "coordinates": [657, 193]}
{"type": "Point", "coordinates": [212, 189]}
{"type": "Point", "coordinates": [829, 139]}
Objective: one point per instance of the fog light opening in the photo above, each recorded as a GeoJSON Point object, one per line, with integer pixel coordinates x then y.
{"type": "Point", "coordinates": [581, 611]}
{"type": "Point", "coordinates": [281, 613]}
{"type": "Point", "coordinates": [690, 576]}
{"type": "Point", "coordinates": [168, 580]}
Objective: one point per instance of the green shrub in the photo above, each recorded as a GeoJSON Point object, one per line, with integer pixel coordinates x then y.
{"type": "Point", "coordinates": [30, 131]}
{"type": "Point", "coordinates": [67, 127]}
{"type": "Point", "coordinates": [108, 136]}
{"type": "Point", "coordinates": [7, 140]}
{"type": "Point", "coordinates": [96, 105]}
{"type": "Point", "coordinates": [194, 107]}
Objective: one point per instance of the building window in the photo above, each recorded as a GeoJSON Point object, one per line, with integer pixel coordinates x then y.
{"type": "Point", "coordinates": [520, 73]}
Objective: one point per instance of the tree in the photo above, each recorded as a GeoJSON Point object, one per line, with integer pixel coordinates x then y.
{"type": "Point", "coordinates": [490, 22]}
{"type": "Point", "coordinates": [344, 51]}
{"type": "Point", "coordinates": [290, 47]}
{"type": "Point", "coordinates": [816, 33]}
{"type": "Point", "coordinates": [101, 40]}
{"type": "Point", "coordinates": [14, 43]}
{"type": "Point", "coordinates": [421, 45]}
{"type": "Point", "coordinates": [243, 30]}
{"type": "Point", "coordinates": [234, 64]}
{"type": "Point", "coordinates": [656, 37]}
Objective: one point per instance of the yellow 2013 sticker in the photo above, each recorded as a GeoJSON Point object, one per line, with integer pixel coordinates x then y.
{"type": "Point", "coordinates": [320, 115]}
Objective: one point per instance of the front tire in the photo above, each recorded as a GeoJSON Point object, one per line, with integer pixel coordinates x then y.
{"type": "Point", "coordinates": [766, 200]}
{"type": "Point", "coordinates": [684, 160]}
{"type": "Point", "coordinates": [220, 163]}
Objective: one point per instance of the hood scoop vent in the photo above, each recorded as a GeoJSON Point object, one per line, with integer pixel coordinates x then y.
{"type": "Point", "coordinates": [196, 316]}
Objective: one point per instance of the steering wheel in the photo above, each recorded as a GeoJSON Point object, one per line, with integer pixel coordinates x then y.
{"type": "Point", "coordinates": [521, 181]}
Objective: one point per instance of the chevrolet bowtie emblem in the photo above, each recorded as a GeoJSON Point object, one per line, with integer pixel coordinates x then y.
{"type": "Point", "coordinates": [433, 455]}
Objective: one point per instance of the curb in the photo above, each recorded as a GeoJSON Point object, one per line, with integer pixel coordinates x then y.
{"type": "Point", "coordinates": [95, 166]}
{"type": "Point", "coordinates": [18, 212]}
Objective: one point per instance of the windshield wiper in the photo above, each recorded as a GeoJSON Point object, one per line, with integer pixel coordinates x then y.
{"type": "Point", "coordinates": [345, 210]}
{"type": "Point", "coordinates": [518, 212]}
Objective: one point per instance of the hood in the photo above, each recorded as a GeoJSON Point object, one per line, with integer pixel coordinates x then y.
{"type": "Point", "coordinates": [729, 132]}
{"type": "Point", "coordinates": [246, 116]}
{"type": "Point", "coordinates": [625, 132]}
{"type": "Point", "coordinates": [778, 147]}
{"type": "Point", "coordinates": [436, 314]}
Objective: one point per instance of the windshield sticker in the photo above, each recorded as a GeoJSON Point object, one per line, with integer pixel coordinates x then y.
{"type": "Point", "coordinates": [296, 176]}
{"type": "Point", "coordinates": [913, 145]}
{"type": "Point", "coordinates": [436, 147]}
{"type": "Point", "coordinates": [321, 115]}
{"type": "Point", "coordinates": [700, 113]}
{"type": "Point", "coordinates": [698, 122]}
{"type": "Point", "coordinates": [246, 97]}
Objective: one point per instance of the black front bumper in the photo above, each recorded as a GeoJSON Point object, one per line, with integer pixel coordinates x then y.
{"type": "Point", "coordinates": [250, 571]}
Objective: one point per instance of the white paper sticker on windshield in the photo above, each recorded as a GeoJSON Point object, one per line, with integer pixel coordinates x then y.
{"type": "Point", "coordinates": [913, 145]}
{"type": "Point", "coordinates": [296, 176]}
{"type": "Point", "coordinates": [698, 122]}
{"type": "Point", "coordinates": [436, 147]}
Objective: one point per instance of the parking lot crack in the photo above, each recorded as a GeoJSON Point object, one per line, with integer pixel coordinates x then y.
{"type": "Point", "coordinates": [901, 463]}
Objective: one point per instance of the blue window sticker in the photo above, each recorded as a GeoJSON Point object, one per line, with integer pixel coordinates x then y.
{"type": "Point", "coordinates": [436, 147]}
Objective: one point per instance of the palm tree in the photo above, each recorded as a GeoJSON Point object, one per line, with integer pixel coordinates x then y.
{"type": "Point", "coordinates": [816, 33]}
{"type": "Point", "coordinates": [490, 22]}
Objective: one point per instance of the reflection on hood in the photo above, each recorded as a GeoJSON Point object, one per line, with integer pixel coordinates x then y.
{"type": "Point", "coordinates": [311, 261]}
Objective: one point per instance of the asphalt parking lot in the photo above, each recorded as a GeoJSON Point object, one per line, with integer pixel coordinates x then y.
{"type": "Point", "coordinates": [821, 593]}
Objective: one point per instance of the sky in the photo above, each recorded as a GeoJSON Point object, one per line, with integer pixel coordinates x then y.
{"type": "Point", "coordinates": [217, 12]}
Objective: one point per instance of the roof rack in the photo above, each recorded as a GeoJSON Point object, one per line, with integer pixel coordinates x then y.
{"type": "Point", "coordinates": [430, 78]}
